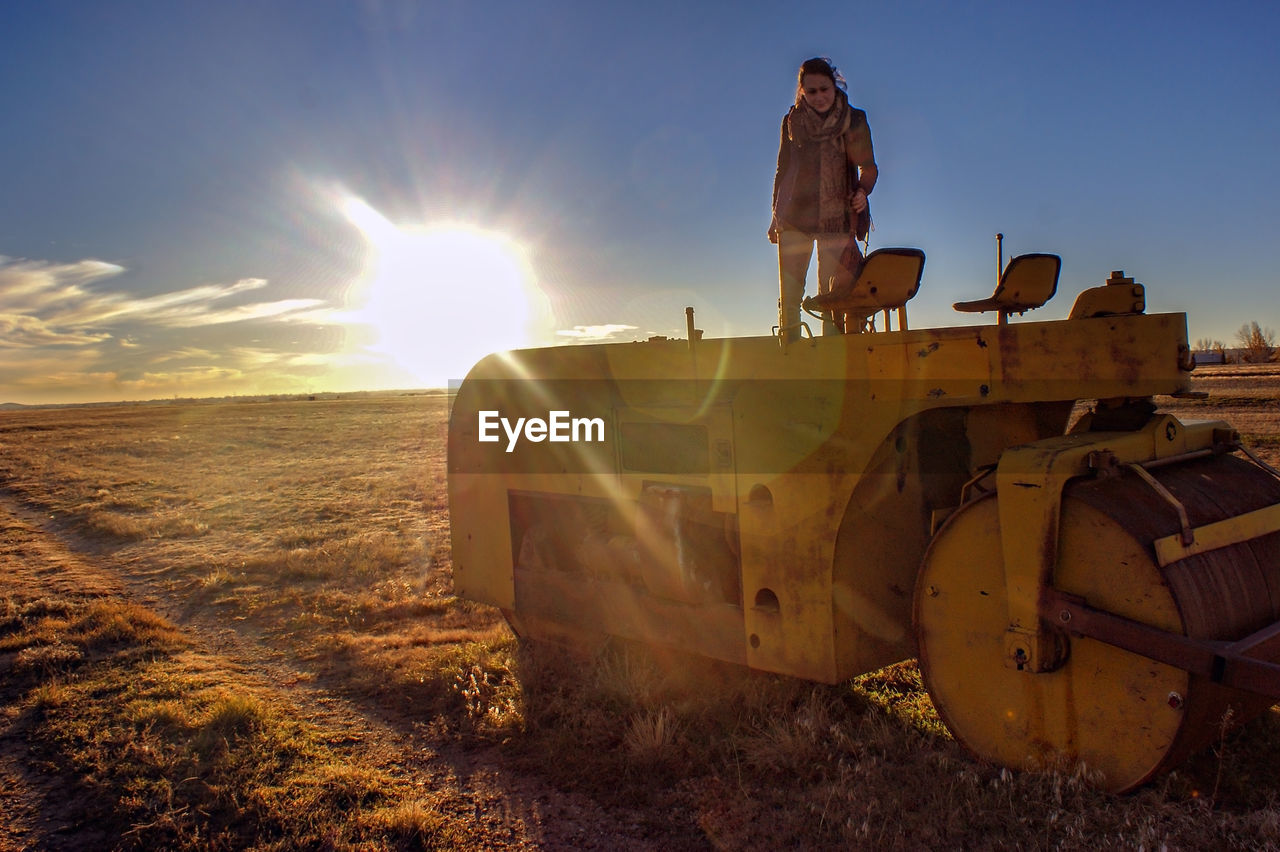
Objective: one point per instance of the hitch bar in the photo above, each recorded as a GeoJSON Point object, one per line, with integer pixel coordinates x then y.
{"type": "Point", "coordinates": [1242, 664]}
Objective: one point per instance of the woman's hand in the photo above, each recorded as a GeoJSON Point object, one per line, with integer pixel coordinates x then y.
{"type": "Point", "coordinates": [773, 232]}
{"type": "Point", "coordinates": [859, 201]}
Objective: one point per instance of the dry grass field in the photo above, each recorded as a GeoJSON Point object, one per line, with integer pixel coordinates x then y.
{"type": "Point", "coordinates": [231, 625]}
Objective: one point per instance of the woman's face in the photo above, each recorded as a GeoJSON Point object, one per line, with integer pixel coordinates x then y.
{"type": "Point", "coordinates": [818, 90]}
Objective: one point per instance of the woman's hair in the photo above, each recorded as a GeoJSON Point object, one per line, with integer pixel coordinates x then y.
{"type": "Point", "coordinates": [818, 65]}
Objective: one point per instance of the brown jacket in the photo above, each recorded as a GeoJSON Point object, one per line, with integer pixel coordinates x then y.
{"type": "Point", "coordinates": [795, 181]}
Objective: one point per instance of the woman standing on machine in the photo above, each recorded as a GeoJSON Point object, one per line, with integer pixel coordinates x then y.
{"type": "Point", "coordinates": [826, 169]}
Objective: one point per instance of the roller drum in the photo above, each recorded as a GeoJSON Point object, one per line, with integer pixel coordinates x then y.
{"type": "Point", "coordinates": [1123, 715]}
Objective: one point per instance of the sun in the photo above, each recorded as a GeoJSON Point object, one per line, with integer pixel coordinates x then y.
{"type": "Point", "coordinates": [438, 298]}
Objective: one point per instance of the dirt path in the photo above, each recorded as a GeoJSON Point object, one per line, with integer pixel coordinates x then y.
{"type": "Point", "coordinates": [495, 805]}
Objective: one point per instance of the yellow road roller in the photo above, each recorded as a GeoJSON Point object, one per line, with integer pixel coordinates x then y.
{"type": "Point", "coordinates": [1101, 588]}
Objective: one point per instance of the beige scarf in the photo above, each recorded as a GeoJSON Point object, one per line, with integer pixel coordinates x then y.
{"type": "Point", "coordinates": [805, 125]}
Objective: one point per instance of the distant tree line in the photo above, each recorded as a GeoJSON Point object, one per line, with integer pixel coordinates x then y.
{"type": "Point", "coordinates": [1254, 345]}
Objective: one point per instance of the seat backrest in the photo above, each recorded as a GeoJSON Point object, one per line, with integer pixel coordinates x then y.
{"type": "Point", "coordinates": [889, 277]}
{"type": "Point", "coordinates": [1027, 282]}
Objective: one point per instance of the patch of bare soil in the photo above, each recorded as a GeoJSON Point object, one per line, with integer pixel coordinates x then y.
{"type": "Point", "coordinates": [475, 788]}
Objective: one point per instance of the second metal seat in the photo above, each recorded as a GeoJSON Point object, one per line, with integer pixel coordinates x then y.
{"type": "Point", "coordinates": [1026, 283]}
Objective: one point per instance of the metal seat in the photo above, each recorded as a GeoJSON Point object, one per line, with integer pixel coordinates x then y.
{"type": "Point", "coordinates": [887, 281]}
{"type": "Point", "coordinates": [1027, 282]}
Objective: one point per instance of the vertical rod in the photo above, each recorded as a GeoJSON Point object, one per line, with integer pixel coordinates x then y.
{"type": "Point", "coordinates": [688, 321]}
{"type": "Point", "coordinates": [999, 257]}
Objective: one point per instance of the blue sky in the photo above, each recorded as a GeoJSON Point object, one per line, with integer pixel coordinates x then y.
{"type": "Point", "coordinates": [256, 197]}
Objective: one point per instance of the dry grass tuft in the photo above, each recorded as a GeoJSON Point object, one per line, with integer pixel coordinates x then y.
{"type": "Point", "coordinates": [44, 607]}
{"type": "Point", "coordinates": [652, 738]}
{"type": "Point", "coordinates": [791, 741]}
{"type": "Point", "coordinates": [57, 634]}
{"type": "Point", "coordinates": [107, 623]}
{"type": "Point", "coordinates": [116, 525]}
{"type": "Point", "coordinates": [491, 696]}
{"type": "Point", "coordinates": [417, 825]}
{"type": "Point", "coordinates": [230, 719]}
{"type": "Point", "coordinates": [48, 659]}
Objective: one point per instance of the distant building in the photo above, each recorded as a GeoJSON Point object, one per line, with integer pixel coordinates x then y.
{"type": "Point", "coordinates": [1209, 356]}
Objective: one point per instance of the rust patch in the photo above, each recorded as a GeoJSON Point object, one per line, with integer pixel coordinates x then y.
{"type": "Point", "coordinates": [1010, 354]}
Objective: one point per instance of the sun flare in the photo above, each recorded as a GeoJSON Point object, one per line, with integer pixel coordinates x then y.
{"type": "Point", "coordinates": [438, 298]}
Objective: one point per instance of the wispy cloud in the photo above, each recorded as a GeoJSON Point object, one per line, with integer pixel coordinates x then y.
{"type": "Point", "coordinates": [60, 330]}
{"type": "Point", "coordinates": [596, 333]}
{"type": "Point", "coordinates": [56, 296]}
{"type": "Point", "coordinates": [166, 309]}
{"type": "Point", "coordinates": [24, 332]}
{"type": "Point", "coordinates": [18, 276]}
{"type": "Point", "coordinates": [285, 309]}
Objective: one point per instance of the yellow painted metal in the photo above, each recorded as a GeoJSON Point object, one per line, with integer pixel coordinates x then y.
{"type": "Point", "coordinates": [1120, 295]}
{"type": "Point", "coordinates": [1220, 534]}
{"type": "Point", "coordinates": [1030, 480]}
{"type": "Point", "coordinates": [824, 462]}
{"type": "Point", "coordinates": [1117, 712]}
